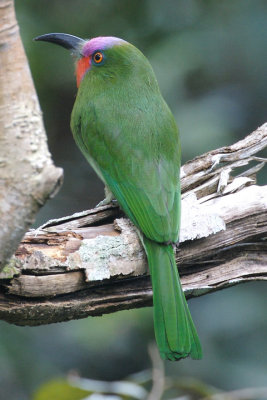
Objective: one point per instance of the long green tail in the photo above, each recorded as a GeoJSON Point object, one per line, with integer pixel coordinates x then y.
{"type": "Point", "coordinates": [175, 331]}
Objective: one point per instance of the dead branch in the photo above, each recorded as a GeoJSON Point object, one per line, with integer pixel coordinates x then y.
{"type": "Point", "coordinates": [27, 174]}
{"type": "Point", "coordinates": [92, 262]}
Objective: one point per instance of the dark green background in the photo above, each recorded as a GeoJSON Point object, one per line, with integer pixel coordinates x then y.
{"type": "Point", "coordinates": [210, 60]}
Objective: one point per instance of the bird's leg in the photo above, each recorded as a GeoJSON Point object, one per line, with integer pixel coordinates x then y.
{"type": "Point", "coordinates": [109, 197]}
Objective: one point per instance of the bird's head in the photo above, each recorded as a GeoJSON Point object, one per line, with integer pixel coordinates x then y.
{"type": "Point", "coordinates": [105, 56]}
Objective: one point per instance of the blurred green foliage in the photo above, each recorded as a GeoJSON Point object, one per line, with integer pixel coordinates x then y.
{"type": "Point", "coordinates": [61, 390]}
{"type": "Point", "coordinates": [76, 388]}
{"type": "Point", "coordinates": [210, 59]}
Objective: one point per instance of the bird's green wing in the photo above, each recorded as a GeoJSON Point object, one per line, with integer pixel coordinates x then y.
{"type": "Point", "coordinates": [139, 161]}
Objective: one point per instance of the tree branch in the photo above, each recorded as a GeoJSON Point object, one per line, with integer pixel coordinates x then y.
{"type": "Point", "coordinates": [27, 174]}
{"type": "Point", "coordinates": [93, 263]}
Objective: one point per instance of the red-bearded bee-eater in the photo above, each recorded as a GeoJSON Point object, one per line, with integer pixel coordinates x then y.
{"type": "Point", "coordinates": [128, 134]}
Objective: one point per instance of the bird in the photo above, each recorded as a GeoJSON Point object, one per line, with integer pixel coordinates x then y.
{"type": "Point", "coordinates": [127, 133]}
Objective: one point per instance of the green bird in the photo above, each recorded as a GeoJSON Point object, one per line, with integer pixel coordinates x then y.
{"type": "Point", "coordinates": [128, 134]}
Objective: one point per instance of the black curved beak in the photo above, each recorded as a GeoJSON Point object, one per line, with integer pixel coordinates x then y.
{"type": "Point", "coordinates": [65, 40]}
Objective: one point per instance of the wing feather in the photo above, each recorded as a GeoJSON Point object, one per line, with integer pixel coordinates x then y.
{"type": "Point", "coordinates": [138, 162]}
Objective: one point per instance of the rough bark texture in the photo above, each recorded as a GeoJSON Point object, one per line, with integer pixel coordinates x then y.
{"type": "Point", "coordinates": [92, 262]}
{"type": "Point", "coordinates": [27, 174]}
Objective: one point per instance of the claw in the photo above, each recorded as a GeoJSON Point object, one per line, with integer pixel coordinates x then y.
{"type": "Point", "coordinates": [108, 199]}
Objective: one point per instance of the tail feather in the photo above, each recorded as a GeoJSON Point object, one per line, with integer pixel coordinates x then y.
{"type": "Point", "coordinates": [175, 332]}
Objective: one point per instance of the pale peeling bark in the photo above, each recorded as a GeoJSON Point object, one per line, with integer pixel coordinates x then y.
{"type": "Point", "coordinates": [27, 174]}
{"type": "Point", "coordinates": [93, 263]}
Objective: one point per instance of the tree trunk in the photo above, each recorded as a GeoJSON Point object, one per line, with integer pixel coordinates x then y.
{"type": "Point", "coordinates": [27, 174]}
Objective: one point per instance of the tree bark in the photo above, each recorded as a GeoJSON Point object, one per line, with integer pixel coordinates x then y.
{"type": "Point", "coordinates": [93, 263]}
{"type": "Point", "coordinates": [27, 174]}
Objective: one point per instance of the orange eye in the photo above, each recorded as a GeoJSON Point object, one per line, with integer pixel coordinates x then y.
{"type": "Point", "coordinates": [98, 57]}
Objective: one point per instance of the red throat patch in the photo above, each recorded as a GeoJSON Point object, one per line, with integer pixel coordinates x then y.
{"type": "Point", "coordinates": [82, 66]}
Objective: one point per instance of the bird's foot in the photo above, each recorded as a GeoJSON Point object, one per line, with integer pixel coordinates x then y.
{"type": "Point", "coordinates": [109, 199]}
